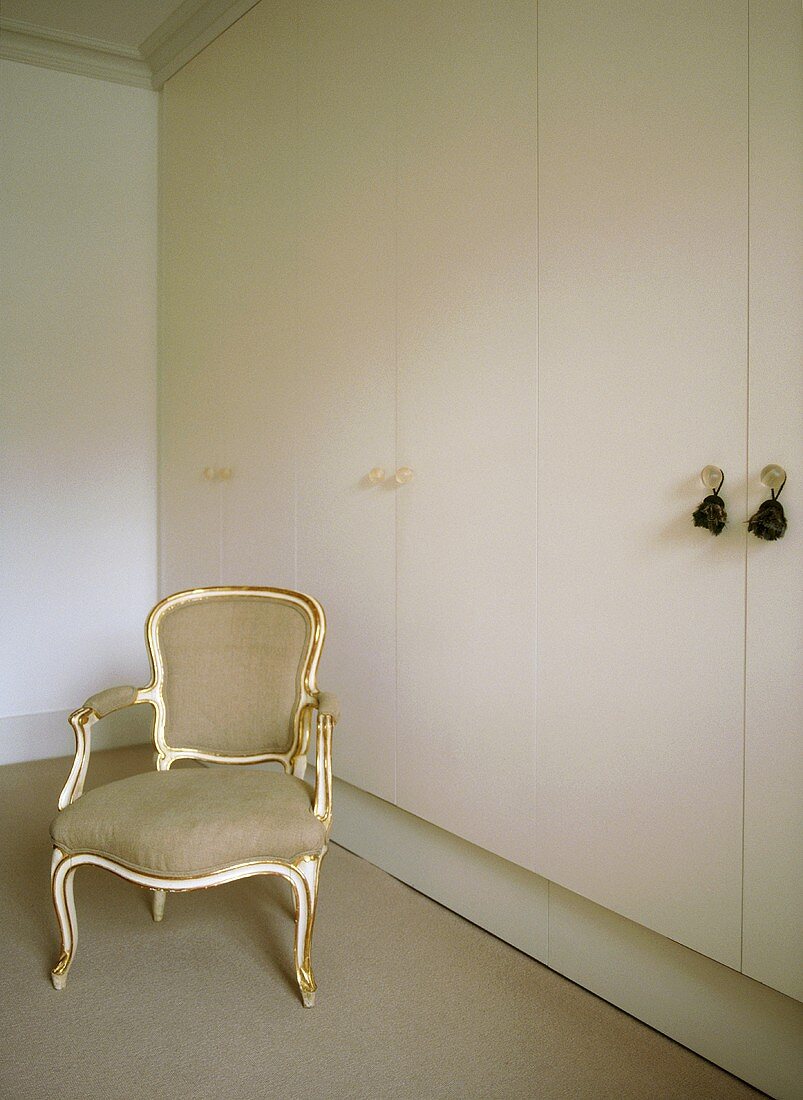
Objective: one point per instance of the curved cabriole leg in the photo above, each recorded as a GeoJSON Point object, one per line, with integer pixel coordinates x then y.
{"type": "Point", "coordinates": [64, 903]}
{"type": "Point", "coordinates": [306, 892]}
{"type": "Point", "coordinates": [158, 903]}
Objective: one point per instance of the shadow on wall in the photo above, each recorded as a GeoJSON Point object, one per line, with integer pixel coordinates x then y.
{"type": "Point", "coordinates": [132, 726]}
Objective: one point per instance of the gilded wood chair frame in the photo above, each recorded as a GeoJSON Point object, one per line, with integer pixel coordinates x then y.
{"type": "Point", "coordinates": [302, 874]}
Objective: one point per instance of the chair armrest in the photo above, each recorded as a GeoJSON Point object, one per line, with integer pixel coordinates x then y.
{"type": "Point", "coordinates": [82, 720]}
{"type": "Point", "coordinates": [328, 703]}
{"type": "Point", "coordinates": [328, 713]}
{"type": "Point", "coordinates": [104, 702]}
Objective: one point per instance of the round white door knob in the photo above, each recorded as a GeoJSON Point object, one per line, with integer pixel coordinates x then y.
{"type": "Point", "coordinates": [403, 475]}
{"type": "Point", "coordinates": [712, 477]}
{"type": "Point", "coordinates": [377, 475]}
{"type": "Point", "coordinates": [226, 473]}
{"type": "Point", "coordinates": [210, 473]}
{"type": "Point", "coordinates": [773, 476]}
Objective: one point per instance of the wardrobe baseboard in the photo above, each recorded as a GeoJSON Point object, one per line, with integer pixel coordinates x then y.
{"type": "Point", "coordinates": [40, 736]}
{"type": "Point", "coordinates": [746, 1028]}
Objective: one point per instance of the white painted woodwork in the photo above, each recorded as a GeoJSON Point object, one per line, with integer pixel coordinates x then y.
{"type": "Point", "coordinates": [748, 1029]}
{"type": "Point", "coordinates": [642, 382]}
{"type": "Point", "coordinates": [347, 377]}
{"type": "Point", "coordinates": [365, 213]}
{"type": "Point", "coordinates": [62, 52]}
{"type": "Point", "coordinates": [467, 302]}
{"type": "Point", "coordinates": [739, 1024]}
{"type": "Point", "coordinates": [192, 26]}
{"type": "Point", "coordinates": [255, 130]}
{"type": "Point", "coordinates": [189, 337]}
{"type": "Point", "coordinates": [77, 395]}
{"type": "Point", "coordinates": [229, 348]}
{"type": "Point", "coordinates": [773, 841]}
{"type": "Point", "coordinates": [142, 43]}
{"type": "Point", "coordinates": [48, 734]}
{"type": "Point", "coordinates": [111, 21]}
{"type": "Point", "coordinates": [506, 899]}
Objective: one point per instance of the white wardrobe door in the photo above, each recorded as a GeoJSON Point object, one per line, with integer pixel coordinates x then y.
{"type": "Point", "coordinates": [773, 843]}
{"type": "Point", "coordinates": [229, 348]}
{"type": "Point", "coordinates": [467, 384]}
{"type": "Point", "coordinates": [642, 382]}
{"type": "Point", "coordinates": [254, 76]}
{"type": "Point", "coordinates": [189, 504]}
{"type": "Point", "coordinates": [346, 318]}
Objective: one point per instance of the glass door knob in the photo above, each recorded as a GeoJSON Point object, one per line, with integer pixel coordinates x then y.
{"type": "Point", "coordinates": [711, 477]}
{"type": "Point", "coordinates": [773, 476]}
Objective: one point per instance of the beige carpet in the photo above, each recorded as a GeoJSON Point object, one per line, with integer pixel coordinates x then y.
{"type": "Point", "coordinates": [413, 1001]}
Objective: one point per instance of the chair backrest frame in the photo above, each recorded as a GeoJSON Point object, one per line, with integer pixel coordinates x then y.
{"type": "Point", "coordinates": [295, 757]}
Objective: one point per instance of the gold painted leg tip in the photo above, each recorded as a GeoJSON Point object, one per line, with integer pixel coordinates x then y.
{"type": "Point", "coordinates": [58, 975]}
{"type": "Point", "coordinates": [308, 999]}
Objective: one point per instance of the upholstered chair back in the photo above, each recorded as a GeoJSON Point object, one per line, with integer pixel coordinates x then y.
{"type": "Point", "coordinates": [235, 670]}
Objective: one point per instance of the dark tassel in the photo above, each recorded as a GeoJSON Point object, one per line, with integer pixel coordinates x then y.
{"type": "Point", "coordinates": [711, 514]}
{"type": "Point", "coordinates": [769, 522]}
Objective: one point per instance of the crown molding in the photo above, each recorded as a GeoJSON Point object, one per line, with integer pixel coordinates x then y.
{"type": "Point", "coordinates": [186, 32]}
{"type": "Point", "coordinates": [191, 27]}
{"type": "Point", "coordinates": [72, 53]}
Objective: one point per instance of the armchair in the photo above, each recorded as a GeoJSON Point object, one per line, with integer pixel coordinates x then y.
{"type": "Point", "coordinates": [233, 683]}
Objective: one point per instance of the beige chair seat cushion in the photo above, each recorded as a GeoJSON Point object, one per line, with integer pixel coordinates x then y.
{"type": "Point", "coordinates": [193, 820]}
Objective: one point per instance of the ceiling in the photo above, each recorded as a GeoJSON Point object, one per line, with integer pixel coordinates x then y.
{"type": "Point", "coordinates": [125, 23]}
{"type": "Point", "coordinates": [138, 42]}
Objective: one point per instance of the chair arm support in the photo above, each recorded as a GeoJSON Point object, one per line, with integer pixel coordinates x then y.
{"type": "Point", "coordinates": [104, 702]}
{"type": "Point", "coordinates": [322, 800]}
{"type": "Point", "coordinates": [328, 703]}
{"type": "Point", "coordinates": [82, 720]}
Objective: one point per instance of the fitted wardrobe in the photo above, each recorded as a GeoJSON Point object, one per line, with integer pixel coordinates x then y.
{"type": "Point", "coordinates": [457, 300]}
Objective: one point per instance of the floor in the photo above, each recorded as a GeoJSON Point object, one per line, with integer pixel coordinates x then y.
{"type": "Point", "coordinates": [413, 1001]}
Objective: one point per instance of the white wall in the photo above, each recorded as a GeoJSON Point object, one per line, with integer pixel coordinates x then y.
{"type": "Point", "coordinates": [77, 397]}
